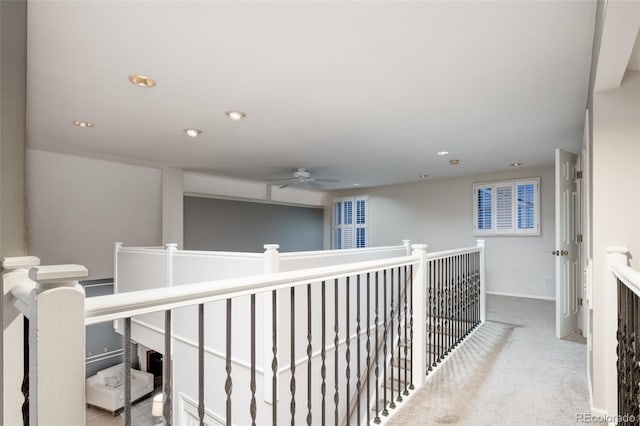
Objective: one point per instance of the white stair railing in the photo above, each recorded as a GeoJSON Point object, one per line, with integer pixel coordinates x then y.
{"type": "Point", "coordinates": [53, 301]}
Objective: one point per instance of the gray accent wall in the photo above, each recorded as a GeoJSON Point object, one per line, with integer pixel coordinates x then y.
{"type": "Point", "coordinates": [231, 225]}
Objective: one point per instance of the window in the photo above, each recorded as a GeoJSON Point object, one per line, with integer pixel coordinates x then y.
{"type": "Point", "coordinates": [350, 222]}
{"type": "Point", "coordinates": [507, 208]}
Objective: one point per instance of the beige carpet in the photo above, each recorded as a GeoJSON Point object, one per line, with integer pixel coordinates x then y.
{"type": "Point", "coordinates": [512, 371]}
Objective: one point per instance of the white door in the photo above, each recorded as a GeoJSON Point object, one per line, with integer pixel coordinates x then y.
{"type": "Point", "coordinates": [566, 250]}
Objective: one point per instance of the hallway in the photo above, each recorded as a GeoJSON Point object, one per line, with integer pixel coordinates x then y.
{"type": "Point", "coordinates": [512, 371]}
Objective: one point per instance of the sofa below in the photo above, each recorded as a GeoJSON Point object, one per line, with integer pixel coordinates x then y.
{"type": "Point", "coordinates": [106, 389]}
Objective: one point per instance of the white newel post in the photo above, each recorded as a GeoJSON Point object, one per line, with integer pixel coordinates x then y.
{"type": "Point", "coordinates": [483, 284]}
{"type": "Point", "coordinates": [57, 346]}
{"type": "Point", "coordinates": [615, 256]}
{"type": "Point", "coordinates": [117, 248]}
{"type": "Point", "coordinates": [419, 306]}
{"type": "Point", "coordinates": [171, 249]}
{"type": "Point", "coordinates": [407, 245]}
{"type": "Point", "coordinates": [271, 266]}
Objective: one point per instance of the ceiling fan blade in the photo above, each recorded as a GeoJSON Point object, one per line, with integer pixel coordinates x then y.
{"type": "Point", "coordinates": [286, 184]}
{"type": "Point", "coordinates": [313, 184]}
{"type": "Point", "coordinates": [278, 180]}
{"type": "Point", "coordinates": [326, 180]}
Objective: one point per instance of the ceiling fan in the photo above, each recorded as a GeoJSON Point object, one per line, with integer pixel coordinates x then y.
{"type": "Point", "coordinates": [301, 176]}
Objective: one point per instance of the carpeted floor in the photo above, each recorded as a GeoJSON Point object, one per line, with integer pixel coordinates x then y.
{"type": "Point", "coordinates": [512, 371]}
{"type": "Point", "coordinates": [140, 415]}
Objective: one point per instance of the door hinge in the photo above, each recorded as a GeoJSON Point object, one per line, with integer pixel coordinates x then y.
{"type": "Point", "coordinates": [579, 174]}
{"type": "Point", "coordinates": [580, 301]}
{"type": "Point", "coordinates": [579, 238]}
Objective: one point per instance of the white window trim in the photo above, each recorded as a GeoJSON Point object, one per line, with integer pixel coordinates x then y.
{"type": "Point", "coordinates": [513, 231]}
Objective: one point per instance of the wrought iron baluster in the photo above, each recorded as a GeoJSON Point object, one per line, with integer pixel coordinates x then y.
{"type": "Point", "coordinates": [323, 354]}
{"type": "Point", "coordinates": [456, 301]}
{"type": "Point", "coordinates": [445, 301]}
{"type": "Point", "coordinates": [399, 399]}
{"type": "Point", "coordinates": [25, 373]}
{"type": "Point", "coordinates": [252, 406]}
{"type": "Point", "coordinates": [406, 325]}
{"type": "Point", "coordinates": [358, 330]}
{"type": "Point", "coordinates": [336, 342]}
{"type": "Point", "coordinates": [368, 346]}
{"type": "Point", "coordinates": [201, 364]}
{"type": "Point", "coordinates": [274, 360]}
{"type": "Point", "coordinates": [167, 409]}
{"type": "Point", "coordinates": [228, 384]}
{"type": "Point", "coordinates": [392, 403]}
{"type": "Point", "coordinates": [430, 315]}
{"type": "Point", "coordinates": [385, 412]}
{"type": "Point", "coordinates": [127, 371]}
{"type": "Point", "coordinates": [376, 419]}
{"type": "Point", "coordinates": [411, 385]}
{"type": "Point", "coordinates": [347, 353]}
{"type": "Point", "coordinates": [309, 354]}
{"type": "Point", "coordinates": [439, 309]}
{"type": "Point", "coordinates": [292, 366]}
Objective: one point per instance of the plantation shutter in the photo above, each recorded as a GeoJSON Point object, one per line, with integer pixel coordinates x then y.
{"type": "Point", "coordinates": [350, 222]}
{"type": "Point", "coordinates": [483, 220]}
{"type": "Point", "coordinates": [504, 208]}
{"type": "Point", "coordinates": [527, 207]}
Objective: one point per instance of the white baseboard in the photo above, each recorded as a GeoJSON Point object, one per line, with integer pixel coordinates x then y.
{"type": "Point", "coordinates": [522, 296]}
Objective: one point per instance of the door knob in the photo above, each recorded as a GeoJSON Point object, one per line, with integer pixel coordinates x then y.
{"type": "Point", "coordinates": [564, 253]}
{"type": "Point", "coordinates": [554, 253]}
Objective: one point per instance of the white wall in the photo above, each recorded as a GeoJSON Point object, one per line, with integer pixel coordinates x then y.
{"type": "Point", "coordinates": [616, 215]}
{"type": "Point", "coordinates": [78, 207]}
{"type": "Point", "coordinates": [440, 213]}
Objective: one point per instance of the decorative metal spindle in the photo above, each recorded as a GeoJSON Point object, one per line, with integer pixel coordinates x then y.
{"type": "Point", "coordinates": [411, 385]}
{"type": "Point", "coordinates": [368, 346]}
{"type": "Point", "coordinates": [347, 353]}
{"type": "Point", "coordinates": [450, 283]}
{"type": "Point", "coordinates": [358, 330]}
{"type": "Point", "coordinates": [399, 399]}
{"type": "Point", "coordinates": [438, 284]}
{"type": "Point", "coordinates": [309, 354]}
{"type": "Point", "coordinates": [454, 296]}
{"type": "Point", "coordinates": [323, 355]}
{"type": "Point", "coordinates": [385, 412]}
{"type": "Point", "coordinates": [406, 325]}
{"type": "Point", "coordinates": [274, 361]}
{"type": "Point", "coordinates": [167, 409]}
{"type": "Point", "coordinates": [252, 405]}
{"type": "Point", "coordinates": [292, 366]}
{"type": "Point", "coordinates": [392, 403]}
{"type": "Point", "coordinates": [228, 384]}
{"type": "Point", "coordinates": [201, 364]}
{"type": "Point", "coordinates": [25, 374]}
{"type": "Point", "coordinates": [430, 315]}
{"type": "Point", "coordinates": [376, 419]}
{"type": "Point", "coordinates": [127, 371]}
{"type": "Point", "coordinates": [336, 342]}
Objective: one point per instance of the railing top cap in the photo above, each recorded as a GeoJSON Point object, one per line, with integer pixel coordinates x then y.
{"type": "Point", "coordinates": [271, 246]}
{"type": "Point", "coordinates": [617, 250]}
{"type": "Point", "coordinates": [20, 262]}
{"type": "Point", "coordinates": [58, 272]}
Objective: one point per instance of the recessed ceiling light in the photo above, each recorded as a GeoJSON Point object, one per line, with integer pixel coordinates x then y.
{"type": "Point", "coordinates": [441, 153]}
{"type": "Point", "coordinates": [454, 162]}
{"type": "Point", "coordinates": [516, 164]}
{"type": "Point", "coordinates": [83, 123]}
{"type": "Point", "coordinates": [356, 184]}
{"type": "Point", "coordinates": [423, 176]}
{"type": "Point", "coordinates": [194, 133]}
{"type": "Point", "coordinates": [142, 81]}
{"type": "Point", "coordinates": [236, 115]}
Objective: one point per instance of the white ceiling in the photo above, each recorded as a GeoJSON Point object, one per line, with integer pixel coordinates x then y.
{"type": "Point", "coordinates": [362, 92]}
